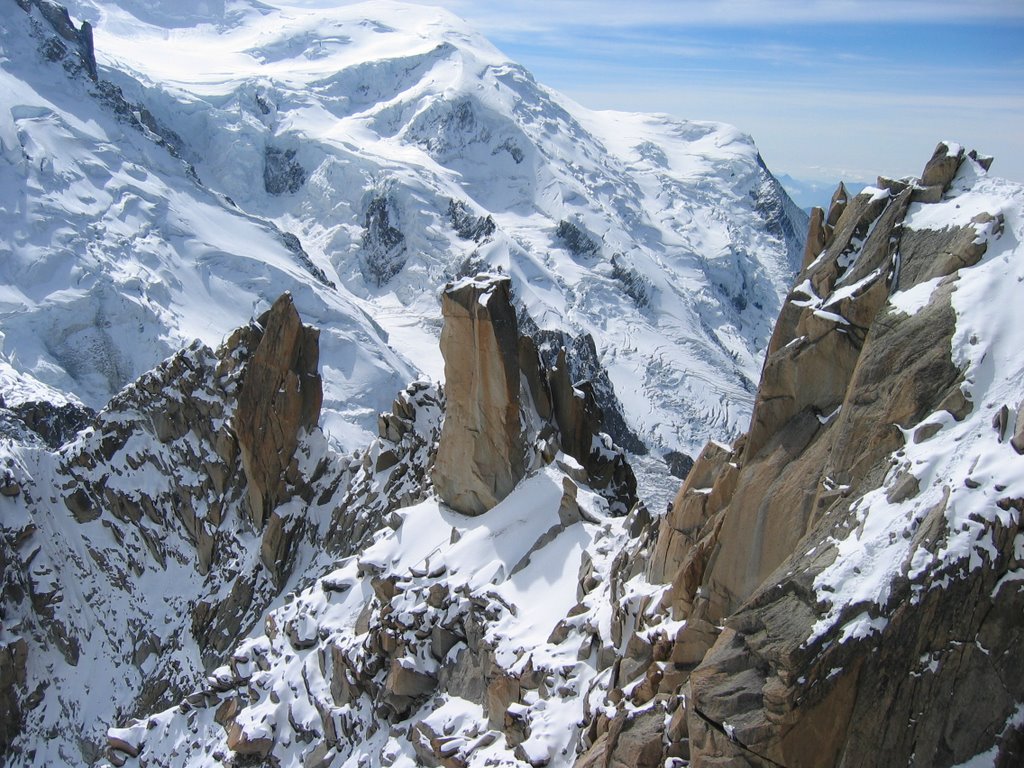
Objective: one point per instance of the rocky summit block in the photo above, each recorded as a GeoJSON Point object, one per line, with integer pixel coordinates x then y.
{"type": "Point", "coordinates": [281, 394]}
{"type": "Point", "coordinates": [482, 451]}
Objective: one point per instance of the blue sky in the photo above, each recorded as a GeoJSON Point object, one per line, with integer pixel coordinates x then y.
{"type": "Point", "coordinates": [828, 89]}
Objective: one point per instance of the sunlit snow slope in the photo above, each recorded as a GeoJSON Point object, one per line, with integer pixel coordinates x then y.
{"type": "Point", "coordinates": [382, 136]}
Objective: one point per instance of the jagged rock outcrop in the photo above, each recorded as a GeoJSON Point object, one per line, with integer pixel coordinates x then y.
{"type": "Point", "coordinates": [282, 173]}
{"type": "Point", "coordinates": [155, 491]}
{"type": "Point", "coordinates": [281, 395]}
{"type": "Point", "coordinates": [818, 567]}
{"type": "Point", "coordinates": [817, 345]}
{"type": "Point", "coordinates": [840, 586]}
{"type": "Point", "coordinates": [60, 21]}
{"type": "Point", "coordinates": [584, 370]}
{"type": "Point", "coordinates": [580, 422]}
{"type": "Point", "coordinates": [505, 405]}
{"type": "Point", "coordinates": [466, 225]}
{"type": "Point", "coordinates": [53, 423]}
{"type": "Point", "coordinates": [384, 248]}
{"type": "Point", "coordinates": [482, 454]}
{"type": "Point", "coordinates": [576, 239]}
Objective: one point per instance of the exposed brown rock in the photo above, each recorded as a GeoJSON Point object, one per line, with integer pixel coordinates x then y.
{"type": "Point", "coordinates": [251, 746]}
{"type": "Point", "coordinates": [846, 378]}
{"type": "Point", "coordinates": [403, 681]}
{"type": "Point", "coordinates": [482, 451]}
{"type": "Point", "coordinates": [81, 505]}
{"type": "Point", "coordinates": [984, 161]}
{"type": "Point", "coordinates": [533, 370]}
{"type": "Point", "coordinates": [681, 527]}
{"type": "Point", "coordinates": [118, 744]}
{"type": "Point", "coordinates": [277, 545]}
{"type": "Point", "coordinates": [1017, 441]}
{"type": "Point", "coordinates": [837, 206]}
{"type": "Point", "coordinates": [817, 237]}
{"type": "Point", "coordinates": [281, 395]}
{"type": "Point", "coordinates": [639, 742]}
{"type": "Point", "coordinates": [579, 419]}
{"type": "Point", "coordinates": [496, 384]}
{"type": "Point", "coordinates": [942, 166]}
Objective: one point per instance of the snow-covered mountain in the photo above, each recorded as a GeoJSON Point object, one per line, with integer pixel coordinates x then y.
{"type": "Point", "coordinates": [361, 157]}
{"type": "Point", "coordinates": [365, 622]}
{"type": "Point", "coordinates": [243, 521]}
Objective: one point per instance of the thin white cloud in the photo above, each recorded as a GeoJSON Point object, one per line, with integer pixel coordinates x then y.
{"type": "Point", "coordinates": [532, 16]}
{"type": "Point", "coordinates": [823, 133]}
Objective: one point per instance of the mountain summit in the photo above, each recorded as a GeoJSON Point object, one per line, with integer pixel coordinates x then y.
{"type": "Point", "coordinates": [361, 157]}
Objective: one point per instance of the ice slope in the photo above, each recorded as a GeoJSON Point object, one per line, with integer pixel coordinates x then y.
{"type": "Point", "coordinates": [112, 256]}
{"type": "Point", "coordinates": [355, 128]}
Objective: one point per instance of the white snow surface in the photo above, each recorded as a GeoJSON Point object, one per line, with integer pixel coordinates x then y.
{"type": "Point", "coordinates": [502, 558]}
{"type": "Point", "coordinates": [113, 257]}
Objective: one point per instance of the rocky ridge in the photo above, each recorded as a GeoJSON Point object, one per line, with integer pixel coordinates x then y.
{"type": "Point", "coordinates": [840, 583]}
{"type": "Point", "coordinates": [205, 494]}
{"type": "Point", "coordinates": [133, 549]}
{"type": "Point", "coordinates": [437, 634]}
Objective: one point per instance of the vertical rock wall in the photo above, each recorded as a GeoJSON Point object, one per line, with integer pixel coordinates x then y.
{"type": "Point", "coordinates": [281, 394]}
{"type": "Point", "coordinates": [506, 410]}
{"type": "Point", "coordinates": [842, 585]}
{"type": "Point", "coordinates": [482, 451]}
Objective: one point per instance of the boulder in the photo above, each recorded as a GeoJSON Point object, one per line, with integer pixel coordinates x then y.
{"type": "Point", "coordinates": [248, 745]}
{"type": "Point", "coordinates": [942, 166]}
{"type": "Point", "coordinates": [404, 688]}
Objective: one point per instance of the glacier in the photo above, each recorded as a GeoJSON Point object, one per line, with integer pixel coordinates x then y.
{"type": "Point", "coordinates": [324, 152]}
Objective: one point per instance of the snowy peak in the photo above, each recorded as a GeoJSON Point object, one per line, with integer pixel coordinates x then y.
{"type": "Point", "coordinates": [110, 239]}
{"type": "Point", "coordinates": [355, 132]}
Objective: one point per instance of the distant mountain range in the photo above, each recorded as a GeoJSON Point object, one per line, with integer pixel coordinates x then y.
{"type": "Point", "coordinates": [361, 157]}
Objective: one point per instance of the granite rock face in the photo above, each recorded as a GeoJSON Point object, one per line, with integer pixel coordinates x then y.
{"type": "Point", "coordinates": [482, 454]}
{"type": "Point", "coordinates": [281, 394]}
{"type": "Point", "coordinates": [801, 668]}
{"type": "Point", "coordinates": [507, 412]}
